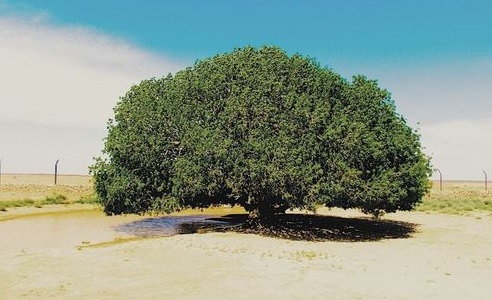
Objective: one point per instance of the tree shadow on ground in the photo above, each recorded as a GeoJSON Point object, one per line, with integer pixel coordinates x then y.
{"type": "Point", "coordinates": [308, 227]}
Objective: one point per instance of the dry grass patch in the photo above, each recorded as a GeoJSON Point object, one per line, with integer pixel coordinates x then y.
{"type": "Point", "coordinates": [458, 197]}
{"type": "Point", "coordinates": [38, 190]}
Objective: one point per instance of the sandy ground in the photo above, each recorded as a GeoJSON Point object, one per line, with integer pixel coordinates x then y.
{"type": "Point", "coordinates": [45, 179]}
{"type": "Point", "coordinates": [449, 257]}
{"type": "Point", "coordinates": [39, 186]}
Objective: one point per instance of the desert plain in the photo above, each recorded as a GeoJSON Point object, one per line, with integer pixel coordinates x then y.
{"type": "Point", "coordinates": [74, 251]}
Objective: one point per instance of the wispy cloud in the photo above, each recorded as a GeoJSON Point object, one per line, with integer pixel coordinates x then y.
{"type": "Point", "coordinates": [70, 76]}
{"type": "Point", "coordinates": [63, 77]}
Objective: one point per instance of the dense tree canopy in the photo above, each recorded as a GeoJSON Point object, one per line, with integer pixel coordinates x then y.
{"type": "Point", "coordinates": [261, 129]}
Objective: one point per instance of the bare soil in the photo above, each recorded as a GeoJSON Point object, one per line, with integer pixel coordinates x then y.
{"type": "Point", "coordinates": [46, 179]}
{"type": "Point", "coordinates": [442, 257]}
{"type": "Point", "coordinates": [39, 186]}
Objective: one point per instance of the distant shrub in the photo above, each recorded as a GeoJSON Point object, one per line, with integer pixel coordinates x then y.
{"type": "Point", "coordinates": [56, 199]}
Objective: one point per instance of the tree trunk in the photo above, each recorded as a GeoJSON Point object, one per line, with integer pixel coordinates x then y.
{"type": "Point", "coordinates": [261, 212]}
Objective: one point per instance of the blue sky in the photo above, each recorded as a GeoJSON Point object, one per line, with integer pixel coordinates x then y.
{"type": "Point", "coordinates": [65, 63]}
{"type": "Point", "coordinates": [331, 31]}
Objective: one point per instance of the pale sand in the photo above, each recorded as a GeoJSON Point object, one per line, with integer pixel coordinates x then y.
{"type": "Point", "coordinates": [39, 186]}
{"type": "Point", "coordinates": [450, 257]}
{"type": "Point", "coordinates": [45, 179]}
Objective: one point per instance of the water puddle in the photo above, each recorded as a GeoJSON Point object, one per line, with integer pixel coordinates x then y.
{"type": "Point", "coordinates": [72, 229]}
{"type": "Point", "coordinates": [58, 230]}
{"type": "Point", "coordinates": [171, 225]}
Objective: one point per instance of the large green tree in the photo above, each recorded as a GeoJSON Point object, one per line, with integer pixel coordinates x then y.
{"type": "Point", "coordinates": [264, 130]}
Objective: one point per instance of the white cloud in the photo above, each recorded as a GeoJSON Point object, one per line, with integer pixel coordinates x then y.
{"type": "Point", "coordinates": [33, 148]}
{"type": "Point", "coordinates": [460, 149]}
{"type": "Point", "coordinates": [63, 79]}
{"type": "Point", "coordinates": [452, 102]}
{"type": "Point", "coordinates": [68, 76]}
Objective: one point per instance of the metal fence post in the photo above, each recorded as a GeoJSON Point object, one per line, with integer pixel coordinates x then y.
{"type": "Point", "coordinates": [485, 173]}
{"type": "Point", "coordinates": [56, 169]}
{"type": "Point", "coordinates": [440, 179]}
